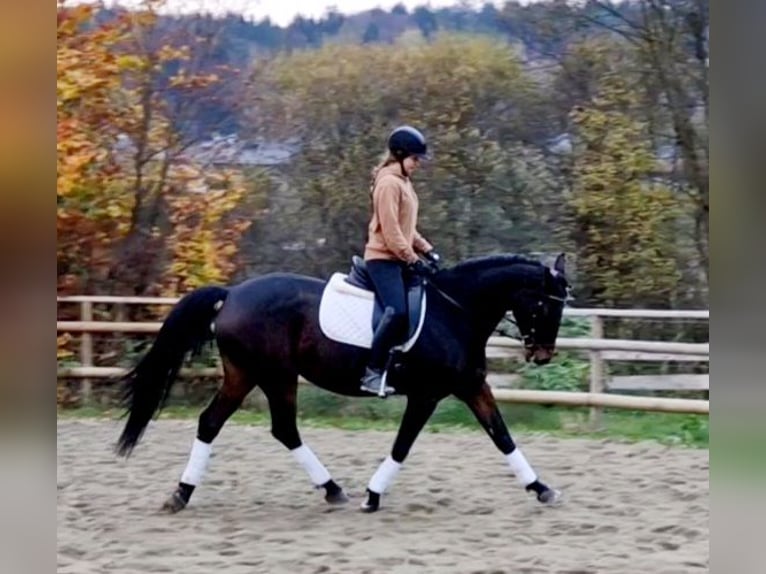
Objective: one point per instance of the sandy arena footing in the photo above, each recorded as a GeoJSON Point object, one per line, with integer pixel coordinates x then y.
{"type": "Point", "coordinates": [454, 508]}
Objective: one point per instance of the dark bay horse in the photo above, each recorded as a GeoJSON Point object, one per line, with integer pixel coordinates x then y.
{"type": "Point", "coordinates": [268, 334]}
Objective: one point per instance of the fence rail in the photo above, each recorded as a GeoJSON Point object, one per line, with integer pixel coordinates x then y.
{"type": "Point", "coordinates": [569, 311]}
{"type": "Point", "coordinates": [599, 349]}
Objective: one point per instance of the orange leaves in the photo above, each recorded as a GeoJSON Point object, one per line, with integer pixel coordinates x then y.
{"type": "Point", "coordinates": [87, 78]}
{"type": "Point", "coordinates": [169, 53]}
{"type": "Point", "coordinates": [182, 80]}
{"type": "Point", "coordinates": [129, 62]}
{"type": "Point", "coordinates": [121, 181]}
{"type": "Point", "coordinates": [206, 231]}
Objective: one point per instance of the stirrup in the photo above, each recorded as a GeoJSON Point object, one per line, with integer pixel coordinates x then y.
{"type": "Point", "coordinates": [380, 388]}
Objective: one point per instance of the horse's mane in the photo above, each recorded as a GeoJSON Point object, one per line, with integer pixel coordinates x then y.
{"type": "Point", "coordinates": [490, 261]}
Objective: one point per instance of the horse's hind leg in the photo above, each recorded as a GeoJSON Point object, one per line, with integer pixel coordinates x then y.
{"type": "Point", "coordinates": [281, 392]}
{"type": "Point", "coordinates": [416, 414]}
{"type": "Point", "coordinates": [236, 386]}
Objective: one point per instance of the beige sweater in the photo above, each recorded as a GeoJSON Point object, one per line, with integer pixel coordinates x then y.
{"type": "Point", "coordinates": [392, 232]}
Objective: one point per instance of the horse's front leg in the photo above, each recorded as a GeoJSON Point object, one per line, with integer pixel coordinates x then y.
{"type": "Point", "coordinates": [482, 404]}
{"type": "Point", "coordinates": [416, 414]}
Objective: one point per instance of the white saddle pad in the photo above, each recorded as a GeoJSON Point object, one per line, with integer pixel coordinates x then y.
{"type": "Point", "coordinates": [345, 314]}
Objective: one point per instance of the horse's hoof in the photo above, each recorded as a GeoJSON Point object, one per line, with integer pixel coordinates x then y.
{"type": "Point", "coordinates": [333, 493]}
{"type": "Point", "coordinates": [174, 504]}
{"type": "Point", "coordinates": [550, 497]}
{"type": "Point", "coordinates": [336, 498]}
{"type": "Point", "coordinates": [372, 504]}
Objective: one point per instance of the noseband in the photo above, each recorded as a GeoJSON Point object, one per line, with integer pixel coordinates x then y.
{"type": "Point", "coordinates": [528, 340]}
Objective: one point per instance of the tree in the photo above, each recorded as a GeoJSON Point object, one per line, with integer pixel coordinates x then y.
{"type": "Point", "coordinates": [426, 21]}
{"type": "Point", "coordinates": [332, 21]}
{"type": "Point", "coordinates": [671, 41]}
{"type": "Point", "coordinates": [91, 210]}
{"type": "Point", "coordinates": [371, 34]}
{"type": "Point", "coordinates": [304, 33]}
{"type": "Point", "coordinates": [468, 94]}
{"type": "Point", "coordinates": [623, 223]}
{"type": "Point", "coordinates": [400, 9]}
{"type": "Point", "coordinates": [120, 156]}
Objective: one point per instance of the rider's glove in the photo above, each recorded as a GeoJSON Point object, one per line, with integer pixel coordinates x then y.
{"type": "Point", "coordinates": [434, 258]}
{"type": "Point", "coordinates": [420, 268]}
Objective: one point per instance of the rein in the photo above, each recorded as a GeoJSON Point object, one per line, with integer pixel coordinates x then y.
{"type": "Point", "coordinates": [445, 295]}
{"type": "Point", "coordinates": [527, 340]}
{"type": "Point", "coordinates": [464, 310]}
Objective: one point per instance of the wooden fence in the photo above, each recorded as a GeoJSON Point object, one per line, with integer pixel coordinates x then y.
{"type": "Point", "coordinates": [599, 349]}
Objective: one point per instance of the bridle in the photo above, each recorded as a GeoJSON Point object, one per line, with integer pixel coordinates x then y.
{"type": "Point", "coordinates": [528, 339]}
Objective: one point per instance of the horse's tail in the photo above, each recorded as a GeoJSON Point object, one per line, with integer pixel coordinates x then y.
{"type": "Point", "coordinates": [147, 385]}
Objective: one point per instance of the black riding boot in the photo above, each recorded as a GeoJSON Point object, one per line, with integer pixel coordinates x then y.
{"type": "Point", "coordinates": [373, 380]}
{"type": "Point", "coordinates": [384, 338]}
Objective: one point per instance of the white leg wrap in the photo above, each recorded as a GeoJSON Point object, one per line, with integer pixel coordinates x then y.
{"type": "Point", "coordinates": [385, 475]}
{"type": "Point", "coordinates": [309, 461]}
{"type": "Point", "coordinates": [197, 465]}
{"type": "Point", "coordinates": [520, 467]}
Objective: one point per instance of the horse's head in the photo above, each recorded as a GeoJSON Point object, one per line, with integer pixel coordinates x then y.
{"type": "Point", "coordinates": [538, 309]}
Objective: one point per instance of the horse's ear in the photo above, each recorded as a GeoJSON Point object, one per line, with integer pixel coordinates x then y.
{"type": "Point", "coordinates": [558, 265]}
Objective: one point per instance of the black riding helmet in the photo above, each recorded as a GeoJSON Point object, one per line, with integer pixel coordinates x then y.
{"type": "Point", "coordinates": [405, 141]}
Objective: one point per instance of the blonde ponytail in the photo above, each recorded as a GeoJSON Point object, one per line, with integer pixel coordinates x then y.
{"type": "Point", "coordinates": [386, 159]}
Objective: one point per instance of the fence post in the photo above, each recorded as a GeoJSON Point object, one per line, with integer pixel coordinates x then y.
{"type": "Point", "coordinates": [596, 370]}
{"type": "Point", "coordinates": [120, 313]}
{"type": "Point", "coordinates": [86, 350]}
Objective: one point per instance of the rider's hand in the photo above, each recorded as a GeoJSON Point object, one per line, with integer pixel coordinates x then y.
{"type": "Point", "coordinates": [420, 268]}
{"type": "Point", "coordinates": [434, 258]}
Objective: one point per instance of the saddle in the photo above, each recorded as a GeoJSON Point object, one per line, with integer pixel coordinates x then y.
{"type": "Point", "coordinates": [349, 311]}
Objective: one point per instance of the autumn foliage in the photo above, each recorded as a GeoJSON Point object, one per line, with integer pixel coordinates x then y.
{"type": "Point", "coordinates": [133, 211]}
{"type": "Point", "coordinates": [584, 149]}
{"type": "Point", "coordinates": [605, 201]}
